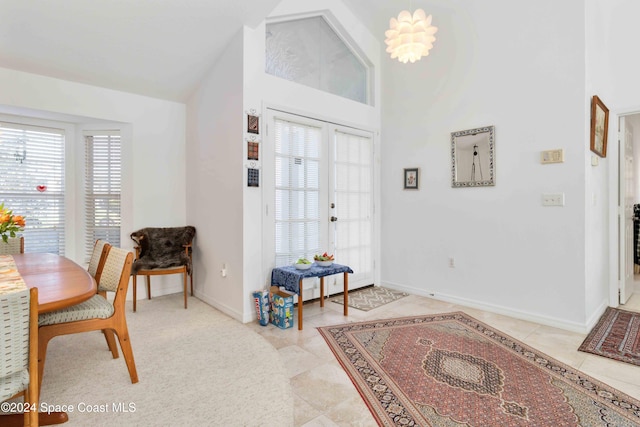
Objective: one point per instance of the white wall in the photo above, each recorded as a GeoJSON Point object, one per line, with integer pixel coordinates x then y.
{"type": "Point", "coordinates": [153, 144]}
{"type": "Point", "coordinates": [228, 214]}
{"type": "Point", "coordinates": [492, 64]}
{"type": "Point", "coordinates": [215, 181]}
{"type": "Point", "coordinates": [262, 90]}
{"type": "Point", "coordinates": [612, 75]}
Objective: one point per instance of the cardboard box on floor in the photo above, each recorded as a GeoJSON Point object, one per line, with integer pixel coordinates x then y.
{"type": "Point", "coordinates": [281, 313]}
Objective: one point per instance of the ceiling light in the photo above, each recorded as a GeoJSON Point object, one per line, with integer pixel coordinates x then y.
{"type": "Point", "coordinates": [409, 38]}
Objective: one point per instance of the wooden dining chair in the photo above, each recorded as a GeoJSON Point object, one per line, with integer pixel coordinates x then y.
{"type": "Point", "coordinates": [162, 251]}
{"type": "Point", "coordinates": [15, 245]}
{"type": "Point", "coordinates": [96, 265]}
{"type": "Point", "coordinates": [19, 350]}
{"type": "Point", "coordinates": [97, 313]}
{"type": "Point", "coordinates": [98, 258]}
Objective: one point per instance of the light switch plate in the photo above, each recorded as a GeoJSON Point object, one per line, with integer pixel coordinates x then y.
{"type": "Point", "coordinates": [552, 156]}
{"type": "Point", "coordinates": [553, 199]}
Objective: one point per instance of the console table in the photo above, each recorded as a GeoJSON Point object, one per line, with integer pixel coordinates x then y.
{"type": "Point", "coordinates": [290, 278]}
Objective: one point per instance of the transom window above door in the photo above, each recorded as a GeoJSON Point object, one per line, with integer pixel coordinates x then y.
{"type": "Point", "coordinates": [311, 52]}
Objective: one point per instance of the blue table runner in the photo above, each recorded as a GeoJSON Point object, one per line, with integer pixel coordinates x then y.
{"type": "Point", "coordinates": [289, 276]}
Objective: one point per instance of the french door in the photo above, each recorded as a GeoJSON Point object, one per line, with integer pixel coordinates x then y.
{"type": "Point", "coordinates": [318, 180]}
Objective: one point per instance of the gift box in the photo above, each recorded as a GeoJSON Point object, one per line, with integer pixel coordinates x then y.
{"type": "Point", "coordinates": [281, 313]}
{"type": "Point", "coordinates": [261, 303]}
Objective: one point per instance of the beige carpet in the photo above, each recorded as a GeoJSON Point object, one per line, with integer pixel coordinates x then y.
{"type": "Point", "coordinates": [196, 367]}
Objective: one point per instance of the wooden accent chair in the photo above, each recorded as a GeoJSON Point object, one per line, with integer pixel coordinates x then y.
{"type": "Point", "coordinates": [15, 245]}
{"type": "Point", "coordinates": [19, 350]}
{"type": "Point", "coordinates": [96, 314]}
{"type": "Point", "coordinates": [162, 251]}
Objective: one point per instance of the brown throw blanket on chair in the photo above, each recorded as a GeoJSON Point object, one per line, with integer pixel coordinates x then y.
{"type": "Point", "coordinates": [162, 247]}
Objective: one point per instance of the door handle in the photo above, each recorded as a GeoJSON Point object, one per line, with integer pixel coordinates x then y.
{"type": "Point", "coordinates": [333, 219]}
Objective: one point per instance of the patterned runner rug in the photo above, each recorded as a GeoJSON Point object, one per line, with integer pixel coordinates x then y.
{"type": "Point", "coordinates": [616, 336]}
{"type": "Point", "coordinates": [371, 297]}
{"type": "Point", "coordinates": [453, 370]}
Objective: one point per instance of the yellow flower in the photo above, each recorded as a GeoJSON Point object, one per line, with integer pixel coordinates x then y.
{"type": "Point", "coordinates": [19, 220]}
{"type": "Point", "coordinates": [10, 224]}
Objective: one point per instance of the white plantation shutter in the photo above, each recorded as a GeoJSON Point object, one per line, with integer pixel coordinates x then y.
{"type": "Point", "coordinates": [32, 176]}
{"type": "Point", "coordinates": [297, 191]}
{"type": "Point", "coordinates": [102, 188]}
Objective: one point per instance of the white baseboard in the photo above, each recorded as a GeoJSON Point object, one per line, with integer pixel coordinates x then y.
{"type": "Point", "coordinates": [160, 289]}
{"type": "Point", "coordinates": [518, 314]}
{"type": "Point", "coordinates": [223, 308]}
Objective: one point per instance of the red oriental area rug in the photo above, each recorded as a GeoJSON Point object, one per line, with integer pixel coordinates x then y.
{"type": "Point", "coordinates": [453, 370]}
{"type": "Point", "coordinates": [616, 336]}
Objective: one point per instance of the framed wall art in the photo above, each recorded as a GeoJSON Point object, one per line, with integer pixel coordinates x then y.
{"type": "Point", "coordinates": [253, 177]}
{"type": "Point", "coordinates": [253, 124]}
{"type": "Point", "coordinates": [411, 177]}
{"type": "Point", "coordinates": [472, 157]}
{"type": "Point", "coordinates": [253, 151]}
{"type": "Point", "coordinates": [599, 126]}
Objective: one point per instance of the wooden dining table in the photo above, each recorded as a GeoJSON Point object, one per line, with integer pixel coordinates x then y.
{"type": "Point", "coordinates": [61, 283]}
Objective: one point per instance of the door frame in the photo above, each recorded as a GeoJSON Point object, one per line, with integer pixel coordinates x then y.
{"type": "Point", "coordinates": [615, 256]}
{"type": "Point", "coordinates": [375, 134]}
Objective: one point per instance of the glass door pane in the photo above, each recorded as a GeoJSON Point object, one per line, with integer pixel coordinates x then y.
{"type": "Point", "coordinates": [297, 191]}
{"type": "Point", "coordinates": [321, 199]}
{"type": "Point", "coordinates": [351, 193]}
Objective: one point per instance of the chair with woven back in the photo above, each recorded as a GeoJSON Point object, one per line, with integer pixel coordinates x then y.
{"type": "Point", "coordinates": [19, 350]}
{"type": "Point", "coordinates": [13, 246]}
{"type": "Point", "coordinates": [96, 265]}
{"type": "Point", "coordinates": [97, 313]}
{"type": "Point", "coordinates": [98, 257]}
{"type": "Point", "coordinates": [163, 250]}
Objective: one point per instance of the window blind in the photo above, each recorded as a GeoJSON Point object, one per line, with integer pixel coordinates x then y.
{"type": "Point", "coordinates": [297, 191]}
{"type": "Point", "coordinates": [32, 176]}
{"type": "Point", "coordinates": [103, 163]}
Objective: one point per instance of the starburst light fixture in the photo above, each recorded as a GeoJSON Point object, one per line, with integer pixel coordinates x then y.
{"type": "Point", "coordinates": [409, 38]}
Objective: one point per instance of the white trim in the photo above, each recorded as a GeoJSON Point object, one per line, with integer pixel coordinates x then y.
{"type": "Point", "coordinates": [518, 314]}
{"type": "Point", "coordinates": [614, 171]}
{"type": "Point", "coordinates": [240, 317]}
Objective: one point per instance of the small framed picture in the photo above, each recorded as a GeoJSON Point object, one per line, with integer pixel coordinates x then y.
{"type": "Point", "coordinates": [253, 151]}
{"type": "Point", "coordinates": [599, 126]}
{"type": "Point", "coordinates": [253, 177]}
{"type": "Point", "coordinates": [411, 179]}
{"type": "Point", "coordinates": [253, 124]}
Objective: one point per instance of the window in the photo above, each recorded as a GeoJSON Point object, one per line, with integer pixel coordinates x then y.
{"type": "Point", "coordinates": [310, 52]}
{"type": "Point", "coordinates": [322, 196]}
{"type": "Point", "coordinates": [102, 188]}
{"type": "Point", "coordinates": [297, 191]}
{"type": "Point", "coordinates": [32, 177]}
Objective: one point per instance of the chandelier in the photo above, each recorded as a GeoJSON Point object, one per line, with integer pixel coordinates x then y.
{"type": "Point", "coordinates": [409, 38]}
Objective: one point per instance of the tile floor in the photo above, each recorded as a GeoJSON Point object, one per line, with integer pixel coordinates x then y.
{"type": "Point", "coordinates": [324, 395]}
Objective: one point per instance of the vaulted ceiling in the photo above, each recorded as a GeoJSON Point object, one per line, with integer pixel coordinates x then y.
{"type": "Point", "coordinates": [155, 48]}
